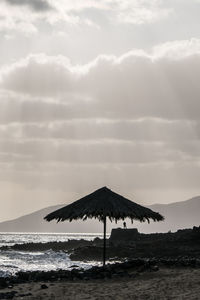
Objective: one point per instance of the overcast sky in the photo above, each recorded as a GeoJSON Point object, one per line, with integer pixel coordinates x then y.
{"type": "Point", "coordinates": [96, 93]}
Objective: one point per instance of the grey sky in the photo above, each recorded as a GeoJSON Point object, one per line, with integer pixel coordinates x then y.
{"type": "Point", "coordinates": [98, 93]}
{"type": "Point", "coordinates": [36, 5]}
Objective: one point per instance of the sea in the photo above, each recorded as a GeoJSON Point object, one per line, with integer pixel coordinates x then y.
{"type": "Point", "coordinates": [12, 261]}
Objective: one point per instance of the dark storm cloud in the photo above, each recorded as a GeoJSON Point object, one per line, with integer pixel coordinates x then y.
{"type": "Point", "coordinates": [36, 5]}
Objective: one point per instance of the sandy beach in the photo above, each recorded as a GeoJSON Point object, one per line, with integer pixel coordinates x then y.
{"type": "Point", "coordinates": [166, 283]}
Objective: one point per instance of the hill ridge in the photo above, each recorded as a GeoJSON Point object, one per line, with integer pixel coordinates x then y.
{"type": "Point", "coordinates": [178, 215]}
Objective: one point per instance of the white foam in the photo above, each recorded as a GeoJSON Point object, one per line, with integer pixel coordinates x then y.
{"type": "Point", "coordinates": [13, 261]}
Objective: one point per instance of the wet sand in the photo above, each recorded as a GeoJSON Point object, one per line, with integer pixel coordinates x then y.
{"type": "Point", "coordinates": [166, 283]}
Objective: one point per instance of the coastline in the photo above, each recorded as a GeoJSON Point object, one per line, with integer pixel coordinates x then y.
{"type": "Point", "coordinates": [155, 266]}
{"type": "Point", "coordinates": [183, 243]}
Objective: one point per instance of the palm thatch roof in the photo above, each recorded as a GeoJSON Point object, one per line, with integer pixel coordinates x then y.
{"type": "Point", "coordinates": [104, 203]}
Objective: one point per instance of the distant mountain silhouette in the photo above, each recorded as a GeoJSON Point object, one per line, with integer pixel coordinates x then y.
{"type": "Point", "coordinates": [178, 215]}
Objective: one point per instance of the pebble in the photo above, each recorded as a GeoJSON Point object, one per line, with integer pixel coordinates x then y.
{"type": "Point", "coordinates": [43, 286]}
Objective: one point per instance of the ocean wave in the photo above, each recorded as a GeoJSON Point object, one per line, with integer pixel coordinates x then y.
{"type": "Point", "coordinates": [12, 262]}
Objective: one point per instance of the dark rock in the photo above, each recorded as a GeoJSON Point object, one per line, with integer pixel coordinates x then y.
{"type": "Point", "coordinates": [154, 268]}
{"type": "Point", "coordinates": [24, 295]}
{"type": "Point", "coordinates": [98, 242]}
{"type": "Point", "coordinates": [55, 246]}
{"type": "Point", "coordinates": [43, 286]}
{"type": "Point", "coordinates": [8, 295]}
{"type": "Point", "coordinates": [3, 282]}
{"type": "Point", "coordinates": [23, 276]}
{"type": "Point", "coordinates": [126, 236]}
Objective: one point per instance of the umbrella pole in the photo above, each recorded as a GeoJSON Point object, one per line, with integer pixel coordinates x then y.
{"type": "Point", "coordinates": [104, 241]}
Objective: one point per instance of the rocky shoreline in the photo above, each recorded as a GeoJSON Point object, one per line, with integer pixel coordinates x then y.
{"type": "Point", "coordinates": [183, 243]}
{"type": "Point", "coordinates": [135, 279]}
{"type": "Point", "coordinates": [129, 269]}
{"type": "Point", "coordinates": [142, 254]}
{"type": "Point", "coordinates": [55, 246]}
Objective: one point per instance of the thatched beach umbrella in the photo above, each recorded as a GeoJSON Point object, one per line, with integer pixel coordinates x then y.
{"type": "Point", "coordinates": [101, 204]}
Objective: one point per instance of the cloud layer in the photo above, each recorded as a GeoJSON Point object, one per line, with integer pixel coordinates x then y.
{"type": "Point", "coordinates": [163, 84]}
{"type": "Point", "coordinates": [81, 12]}
{"type": "Point", "coordinates": [97, 93]}
{"type": "Point", "coordinates": [140, 108]}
